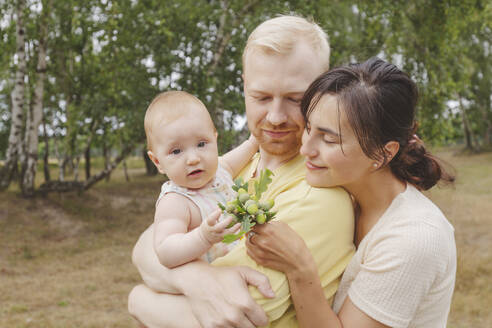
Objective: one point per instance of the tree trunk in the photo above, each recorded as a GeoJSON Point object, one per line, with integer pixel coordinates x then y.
{"type": "Point", "coordinates": [15, 136]}
{"type": "Point", "coordinates": [67, 186]}
{"type": "Point", "coordinates": [46, 163]}
{"type": "Point", "coordinates": [487, 135]}
{"type": "Point", "coordinates": [149, 165]}
{"type": "Point", "coordinates": [61, 160]}
{"type": "Point", "coordinates": [87, 151]}
{"type": "Point", "coordinates": [87, 156]}
{"type": "Point", "coordinates": [106, 157]}
{"type": "Point", "coordinates": [466, 127]}
{"type": "Point", "coordinates": [35, 112]}
{"type": "Point", "coordinates": [76, 169]}
{"type": "Point", "coordinates": [125, 170]}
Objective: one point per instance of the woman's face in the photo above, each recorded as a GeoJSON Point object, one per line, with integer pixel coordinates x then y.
{"type": "Point", "coordinates": [334, 156]}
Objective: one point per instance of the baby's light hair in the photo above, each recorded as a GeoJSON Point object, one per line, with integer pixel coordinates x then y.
{"type": "Point", "coordinates": [280, 35]}
{"type": "Point", "coordinates": [167, 107]}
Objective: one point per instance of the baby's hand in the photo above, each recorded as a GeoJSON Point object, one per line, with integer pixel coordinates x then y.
{"type": "Point", "coordinates": [252, 139]}
{"type": "Point", "coordinates": [213, 230]}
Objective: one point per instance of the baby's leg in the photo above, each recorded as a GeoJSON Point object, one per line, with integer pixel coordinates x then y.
{"type": "Point", "coordinates": [159, 310]}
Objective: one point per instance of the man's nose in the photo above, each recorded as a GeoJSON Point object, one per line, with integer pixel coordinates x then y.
{"type": "Point", "coordinates": [276, 114]}
{"type": "Point", "coordinates": [192, 158]}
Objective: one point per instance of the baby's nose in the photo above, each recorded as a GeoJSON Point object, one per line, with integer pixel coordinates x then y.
{"type": "Point", "coordinates": [193, 159]}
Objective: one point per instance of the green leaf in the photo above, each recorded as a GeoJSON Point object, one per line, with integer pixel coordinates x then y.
{"type": "Point", "coordinates": [230, 238]}
{"type": "Point", "coordinates": [262, 183]}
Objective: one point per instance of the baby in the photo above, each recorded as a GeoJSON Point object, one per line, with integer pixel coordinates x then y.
{"type": "Point", "coordinates": [182, 143]}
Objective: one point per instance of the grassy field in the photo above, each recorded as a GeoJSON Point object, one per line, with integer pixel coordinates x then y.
{"type": "Point", "coordinates": [65, 259]}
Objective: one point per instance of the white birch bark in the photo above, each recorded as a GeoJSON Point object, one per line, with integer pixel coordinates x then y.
{"type": "Point", "coordinates": [35, 111]}
{"type": "Point", "coordinates": [15, 136]}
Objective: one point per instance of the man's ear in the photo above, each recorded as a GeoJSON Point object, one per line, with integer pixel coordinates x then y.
{"type": "Point", "coordinates": [391, 149]}
{"type": "Point", "coordinates": [154, 160]}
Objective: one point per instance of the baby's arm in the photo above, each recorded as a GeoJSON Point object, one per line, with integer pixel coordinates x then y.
{"type": "Point", "coordinates": [237, 158]}
{"type": "Point", "coordinates": [173, 243]}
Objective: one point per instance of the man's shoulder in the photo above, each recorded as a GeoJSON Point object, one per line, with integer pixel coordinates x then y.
{"type": "Point", "coordinates": [302, 191]}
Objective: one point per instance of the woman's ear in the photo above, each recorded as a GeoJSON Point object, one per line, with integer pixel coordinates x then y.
{"type": "Point", "coordinates": [156, 162]}
{"type": "Point", "coordinates": [391, 149]}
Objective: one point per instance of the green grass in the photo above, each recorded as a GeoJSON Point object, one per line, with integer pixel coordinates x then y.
{"type": "Point", "coordinates": [65, 260]}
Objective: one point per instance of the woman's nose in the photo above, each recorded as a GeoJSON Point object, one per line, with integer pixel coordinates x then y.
{"type": "Point", "coordinates": [307, 148]}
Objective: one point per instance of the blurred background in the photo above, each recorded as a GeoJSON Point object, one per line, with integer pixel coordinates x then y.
{"type": "Point", "coordinates": [77, 76]}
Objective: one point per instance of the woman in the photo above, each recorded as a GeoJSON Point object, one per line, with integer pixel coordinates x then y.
{"type": "Point", "coordinates": [360, 135]}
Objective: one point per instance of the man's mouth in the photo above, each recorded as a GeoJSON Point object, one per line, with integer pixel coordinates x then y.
{"type": "Point", "coordinates": [312, 166]}
{"type": "Point", "coordinates": [195, 173]}
{"type": "Point", "coordinates": [276, 134]}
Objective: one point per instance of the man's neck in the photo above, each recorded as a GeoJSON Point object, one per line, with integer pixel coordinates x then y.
{"type": "Point", "coordinates": [271, 161]}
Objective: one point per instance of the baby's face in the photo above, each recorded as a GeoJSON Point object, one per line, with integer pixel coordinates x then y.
{"type": "Point", "coordinates": [187, 150]}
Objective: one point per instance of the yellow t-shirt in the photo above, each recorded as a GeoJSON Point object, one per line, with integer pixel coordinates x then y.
{"type": "Point", "coordinates": [323, 217]}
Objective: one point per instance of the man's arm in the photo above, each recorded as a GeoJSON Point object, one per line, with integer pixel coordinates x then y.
{"type": "Point", "coordinates": [237, 158]}
{"type": "Point", "coordinates": [324, 219]}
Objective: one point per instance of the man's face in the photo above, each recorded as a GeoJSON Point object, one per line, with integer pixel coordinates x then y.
{"type": "Point", "coordinates": [273, 86]}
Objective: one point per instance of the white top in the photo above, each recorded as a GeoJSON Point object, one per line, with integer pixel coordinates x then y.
{"type": "Point", "coordinates": [206, 199]}
{"type": "Point", "coordinates": [404, 270]}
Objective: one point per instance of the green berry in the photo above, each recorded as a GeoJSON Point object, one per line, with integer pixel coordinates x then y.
{"type": "Point", "coordinates": [241, 191]}
{"type": "Point", "coordinates": [243, 197]}
{"type": "Point", "coordinates": [261, 218]}
{"type": "Point", "coordinates": [267, 204]}
{"type": "Point", "coordinates": [252, 209]}
{"type": "Point", "coordinates": [230, 207]}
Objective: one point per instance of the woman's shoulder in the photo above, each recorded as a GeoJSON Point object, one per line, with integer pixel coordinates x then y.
{"type": "Point", "coordinates": [413, 210]}
{"type": "Point", "coordinates": [413, 224]}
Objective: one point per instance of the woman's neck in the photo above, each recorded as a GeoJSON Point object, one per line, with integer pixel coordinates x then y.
{"type": "Point", "coordinates": [374, 195]}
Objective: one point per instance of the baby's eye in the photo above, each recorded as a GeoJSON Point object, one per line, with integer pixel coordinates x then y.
{"type": "Point", "coordinates": [201, 144]}
{"type": "Point", "coordinates": [175, 151]}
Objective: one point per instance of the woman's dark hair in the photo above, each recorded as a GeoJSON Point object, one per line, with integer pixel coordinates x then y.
{"type": "Point", "coordinates": [379, 102]}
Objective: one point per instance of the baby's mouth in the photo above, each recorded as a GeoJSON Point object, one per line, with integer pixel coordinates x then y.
{"type": "Point", "coordinates": [195, 172]}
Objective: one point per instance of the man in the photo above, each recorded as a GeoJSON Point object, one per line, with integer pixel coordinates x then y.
{"type": "Point", "coordinates": [282, 57]}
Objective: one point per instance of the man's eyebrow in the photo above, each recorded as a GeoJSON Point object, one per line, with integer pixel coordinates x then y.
{"type": "Point", "coordinates": [328, 130]}
{"type": "Point", "coordinates": [291, 93]}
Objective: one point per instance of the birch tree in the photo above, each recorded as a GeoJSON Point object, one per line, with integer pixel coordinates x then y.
{"type": "Point", "coordinates": [35, 114]}
{"type": "Point", "coordinates": [17, 122]}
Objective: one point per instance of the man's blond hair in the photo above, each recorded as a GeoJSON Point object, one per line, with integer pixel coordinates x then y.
{"type": "Point", "coordinates": [167, 107]}
{"type": "Point", "coordinates": [281, 34]}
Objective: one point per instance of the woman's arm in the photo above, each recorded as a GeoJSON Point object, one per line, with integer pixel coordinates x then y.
{"type": "Point", "coordinates": [277, 246]}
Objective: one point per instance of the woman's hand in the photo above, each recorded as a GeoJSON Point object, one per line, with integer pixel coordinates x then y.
{"type": "Point", "coordinates": [277, 246]}
{"type": "Point", "coordinates": [219, 296]}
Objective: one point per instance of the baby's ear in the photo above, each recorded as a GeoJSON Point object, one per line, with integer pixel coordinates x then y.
{"type": "Point", "coordinates": [156, 162]}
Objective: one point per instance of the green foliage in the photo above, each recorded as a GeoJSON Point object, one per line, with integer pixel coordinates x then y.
{"type": "Point", "coordinates": [248, 209]}
{"type": "Point", "coordinates": [108, 59]}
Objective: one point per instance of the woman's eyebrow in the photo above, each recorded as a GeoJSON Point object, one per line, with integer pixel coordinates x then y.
{"type": "Point", "coordinates": [328, 130]}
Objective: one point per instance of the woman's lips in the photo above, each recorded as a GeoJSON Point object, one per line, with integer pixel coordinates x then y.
{"type": "Point", "coordinates": [311, 166]}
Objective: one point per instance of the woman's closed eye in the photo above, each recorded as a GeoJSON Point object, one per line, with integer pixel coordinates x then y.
{"type": "Point", "coordinates": [329, 140]}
